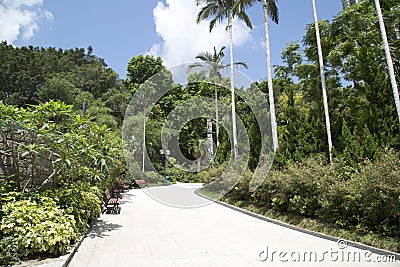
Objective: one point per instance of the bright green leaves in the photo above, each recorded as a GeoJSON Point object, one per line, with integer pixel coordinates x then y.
{"type": "Point", "coordinates": [34, 227]}
{"type": "Point", "coordinates": [37, 223]}
{"type": "Point", "coordinates": [74, 146]}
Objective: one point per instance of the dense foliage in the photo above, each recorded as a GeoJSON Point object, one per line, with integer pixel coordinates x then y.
{"type": "Point", "coordinates": [75, 148]}
{"type": "Point", "coordinates": [364, 199]}
{"type": "Point", "coordinates": [361, 103]}
{"type": "Point", "coordinates": [47, 223]}
{"type": "Point", "coordinates": [29, 75]}
{"type": "Point", "coordinates": [57, 160]}
{"type": "Point", "coordinates": [49, 143]}
{"type": "Point", "coordinates": [82, 201]}
{"type": "Point", "coordinates": [31, 226]}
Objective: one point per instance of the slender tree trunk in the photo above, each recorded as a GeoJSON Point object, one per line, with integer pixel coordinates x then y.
{"type": "Point", "coordinates": [144, 137]}
{"type": "Point", "coordinates": [388, 58]}
{"type": "Point", "coordinates": [216, 115]}
{"type": "Point", "coordinates": [323, 82]}
{"type": "Point", "coordinates": [270, 85]}
{"type": "Point", "coordinates": [235, 151]}
{"type": "Point", "coordinates": [210, 148]}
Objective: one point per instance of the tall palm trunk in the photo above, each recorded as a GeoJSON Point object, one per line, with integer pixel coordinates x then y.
{"type": "Point", "coordinates": [270, 85]}
{"type": "Point", "coordinates": [235, 151]}
{"type": "Point", "coordinates": [216, 114]}
{"type": "Point", "coordinates": [323, 82]}
{"type": "Point", "coordinates": [210, 148]}
{"type": "Point", "coordinates": [388, 57]}
{"type": "Point", "coordinates": [144, 138]}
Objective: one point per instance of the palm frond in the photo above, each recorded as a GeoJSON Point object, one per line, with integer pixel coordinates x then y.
{"type": "Point", "coordinates": [273, 11]}
{"type": "Point", "coordinates": [238, 64]}
{"type": "Point", "coordinates": [212, 23]}
{"type": "Point", "coordinates": [242, 5]}
{"type": "Point", "coordinates": [241, 64]}
{"type": "Point", "coordinates": [243, 16]}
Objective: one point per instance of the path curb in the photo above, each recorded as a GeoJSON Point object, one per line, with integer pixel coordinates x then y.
{"type": "Point", "coordinates": [61, 261]}
{"type": "Point", "coordinates": [316, 234]}
{"type": "Point", "coordinates": [73, 251]}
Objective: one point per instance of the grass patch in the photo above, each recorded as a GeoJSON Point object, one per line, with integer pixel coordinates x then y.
{"type": "Point", "coordinates": [210, 193]}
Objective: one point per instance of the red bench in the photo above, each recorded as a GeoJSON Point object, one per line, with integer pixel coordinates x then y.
{"type": "Point", "coordinates": [111, 203]}
{"type": "Point", "coordinates": [122, 186]}
{"type": "Point", "coordinates": [141, 183]}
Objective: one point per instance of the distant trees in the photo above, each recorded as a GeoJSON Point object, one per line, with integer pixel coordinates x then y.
{"type": "Point", "coordinates": [140, 68]}
{"type": "Point", "coordinates": [362, 109]}
{"type": "Point", "coordinates": [29, 75]}
{"type": "Point", "coordinates": [361, 104]}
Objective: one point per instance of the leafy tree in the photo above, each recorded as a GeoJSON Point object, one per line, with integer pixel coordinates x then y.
{"type": "Point", "coordinates": [292, 57]}
{"type": "Point", "coordinates": [117, 100]}
{"type": "Point", "coordinates": [141, 68]}
{"type": "Point", "coordinates": [57, 89]}
{"type": "Point", "coordinates": [83, 96]}
{"type": "Point", "coordinates": [102, 114]}
{"type": "Point", "coordinates": [355, 53]}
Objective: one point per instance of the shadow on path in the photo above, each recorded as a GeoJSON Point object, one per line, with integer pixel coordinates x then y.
{"type": "Point", "coordinates": [102, 229]}
{"type": "Point", "coordinates": [127, 198]}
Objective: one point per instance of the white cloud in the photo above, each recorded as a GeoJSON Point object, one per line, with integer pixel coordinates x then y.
{"type": "Point", "coordinates": [183, 39]}
{"type": "Point", "coordinates": [20, 18]}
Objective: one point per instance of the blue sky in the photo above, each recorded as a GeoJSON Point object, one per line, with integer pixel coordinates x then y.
{"type": "Point", "coordinates": [119, 30]}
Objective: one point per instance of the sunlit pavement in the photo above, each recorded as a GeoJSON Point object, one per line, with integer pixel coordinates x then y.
{"type": "Point", "coordinates": [148, 232]}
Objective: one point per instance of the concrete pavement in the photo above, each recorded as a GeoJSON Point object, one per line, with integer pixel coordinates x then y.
{"type": "Point", "coordinates": [150, 233]}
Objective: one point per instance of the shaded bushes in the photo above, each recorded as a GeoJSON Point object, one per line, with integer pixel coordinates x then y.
{"type": "Point", "coordinates": [365, 198]}
{"type": "Point", "coordinates": [81, 201]}
{"type": "Point", "coordinates": [368, 200]}
{"type": "Point", "coordinates": [178, 175]}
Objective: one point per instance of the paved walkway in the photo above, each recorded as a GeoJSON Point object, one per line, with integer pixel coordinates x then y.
{"type": "Point", "coordinates": [149, 233]}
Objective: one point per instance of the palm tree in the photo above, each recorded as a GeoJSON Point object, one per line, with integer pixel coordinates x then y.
{"type": "Point", "coordinates": [323, 82]}
{"type": "Point", "coordinates": [388, 57]}
{"type": "Point", "coordinates": [220, 10]}
{"type": "Point", "coordinates": [270, 11]}
{"type": "Point", "coordinates": [211, 65]}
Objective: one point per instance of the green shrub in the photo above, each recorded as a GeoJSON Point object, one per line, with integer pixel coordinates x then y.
{"type": "Point", "coordinates": [241, 189]}
{"type": "Point", "coordinates": [364, 198]}
{"type": "Point", "coordinates": [81, 201]}
{"type": "Point", "coordinates": [183, 176]}
{"type": "Point", "coordinates": [152, 177]}
{"type": "Point", "coordinates": [33, 227]}
{"type": "Point", "coordinates": [297, 188]}
{"type": "Point", "coordinates": [212, 173]}
{"type": "Point", "coordinates": [81, 150]}
{"type": "Point", "coordinates": [369, 200]}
